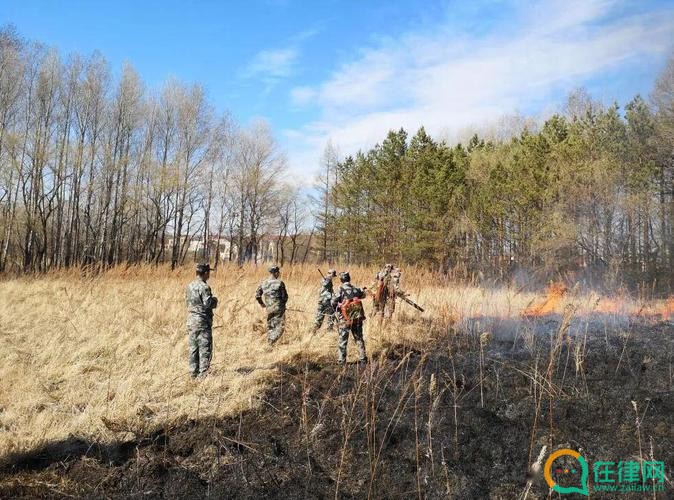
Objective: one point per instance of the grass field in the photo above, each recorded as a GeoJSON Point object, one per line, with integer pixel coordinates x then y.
{"type": "Point", "coordinates": [79, 352]}
{"type": "Point", "coordinates": [103, 357]}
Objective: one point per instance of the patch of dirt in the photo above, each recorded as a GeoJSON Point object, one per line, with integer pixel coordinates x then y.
{"type": "Point", "coordinates": [431, 422]}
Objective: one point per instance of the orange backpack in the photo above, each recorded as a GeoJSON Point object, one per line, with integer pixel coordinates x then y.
{"type": "Point", "coordinates": [352, 311]}
{"type": "Point", "coordinates": [382, 291]}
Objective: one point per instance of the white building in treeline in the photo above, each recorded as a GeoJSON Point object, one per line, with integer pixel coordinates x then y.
{"type": "Point", "coordinates": [221, 244]}
{"type": "Point", "coordinates": [269, 249]}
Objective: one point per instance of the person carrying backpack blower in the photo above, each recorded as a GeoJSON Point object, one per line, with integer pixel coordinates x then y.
{"type": "Point", "coordinates": [350, 316]}
{"type": "Point", "coordinates": [386, 289]}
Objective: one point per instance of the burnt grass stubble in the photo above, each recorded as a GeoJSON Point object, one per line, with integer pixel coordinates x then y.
{"type": "Point", "coordinates": [408, 424]}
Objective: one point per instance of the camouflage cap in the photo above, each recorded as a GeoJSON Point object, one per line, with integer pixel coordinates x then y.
{"type": "Point", "coordinates": [203, 268]}
{"type": "Point", "coordinates": [389, 266]}
{"type": "Point", "coordinates": [344, 277]}
{"type": "Point", "coordinates": [332, 272]}
{"type": "Point", "coordinates": [274, 269]}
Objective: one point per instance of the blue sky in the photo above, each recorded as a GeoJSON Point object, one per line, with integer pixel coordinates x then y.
{"type": "Point", "coordinates": [347, 71]}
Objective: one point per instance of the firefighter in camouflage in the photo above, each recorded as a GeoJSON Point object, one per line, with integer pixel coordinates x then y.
{"type": "Point", "coordinates": [200, 304]}
{"type": "Point", "coordinates": [275, 297]}
{"type": "Point", "coordinates": [350, 316]}
{"type": "Point", "coordinates": [325, 309]}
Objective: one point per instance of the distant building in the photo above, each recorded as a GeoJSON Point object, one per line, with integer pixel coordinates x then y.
{"type": "Point", "coordinates": [271, 248]}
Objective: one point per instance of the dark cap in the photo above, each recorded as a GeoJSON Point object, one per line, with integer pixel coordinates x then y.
{"type": "Point", "coordinates": [344, 277]}
{"type": "Point", "coordinates": [274, 269]}
{"type": "Point", "coordinates": [203, 268]}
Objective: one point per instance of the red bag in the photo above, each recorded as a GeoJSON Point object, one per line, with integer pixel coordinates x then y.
{"type": "Point", "coordinates": [381, 291]}
{"type": "Point", "coordinates": [352, 311]}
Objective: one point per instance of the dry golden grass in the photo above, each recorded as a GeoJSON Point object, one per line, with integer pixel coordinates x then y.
{"type": "Point", "coordinates": [99, 357]}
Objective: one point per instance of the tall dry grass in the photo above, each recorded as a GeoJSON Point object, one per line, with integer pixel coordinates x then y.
{"type": "Point", "coordinates": [102, 356]}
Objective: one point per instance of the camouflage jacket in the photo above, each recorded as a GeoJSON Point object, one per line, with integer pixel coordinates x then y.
{"type": "Point", "coordinates": [325, 294]}
{"type": "Point", "coordinates": [347, 291]}
{"type": "Point", "coordinates": [274, 292]}
{"type": "Point", "coordinates": [390, 281]}
{"type": "Point", "coordinates": [200, 303]}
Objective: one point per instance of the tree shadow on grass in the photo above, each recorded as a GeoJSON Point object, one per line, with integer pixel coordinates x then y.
{"type": "Point", "coordinates": [73, 448]}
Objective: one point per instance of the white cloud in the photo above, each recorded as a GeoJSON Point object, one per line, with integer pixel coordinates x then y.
{"type": "Point", "coordinates": [447, 80]}
{"type": "Point", "coordinates": [277, 63]}
{"type": "Point", "coordinates": [302, 95]}
{"type": "Point", "coordinates": [271, 66]}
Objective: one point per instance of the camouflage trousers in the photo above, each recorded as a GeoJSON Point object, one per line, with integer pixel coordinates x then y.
{"type": "Point", "coordinates": [275, 323]}
{"type": "Point", "coordinates": [356, 330]}
{"type": "Point", "coordinates": [200, 342]}
{"type": "Point", "coordinates": [324, 310]}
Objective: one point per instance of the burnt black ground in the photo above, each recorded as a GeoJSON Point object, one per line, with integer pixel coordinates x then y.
{"type": "Point", "coordinates": [387, 429]}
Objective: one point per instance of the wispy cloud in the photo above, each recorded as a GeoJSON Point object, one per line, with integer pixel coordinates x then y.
{"type": "Point", "coordinates": [271, 66]}
{"type": "Point", "coordinates": [274, 63]}
{"type": "Point", "coordinates": [447, 80]}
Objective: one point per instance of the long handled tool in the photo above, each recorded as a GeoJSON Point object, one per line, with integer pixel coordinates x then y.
{"type": "Point", "coordinates": [410, 302]}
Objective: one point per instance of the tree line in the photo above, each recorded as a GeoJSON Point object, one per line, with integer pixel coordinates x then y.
{"type": "Point", "coordinates": [590, 190]}
{"type": "Point", "coordinates": [97, 171]}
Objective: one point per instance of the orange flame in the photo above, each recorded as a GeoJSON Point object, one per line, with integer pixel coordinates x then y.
{"type": "Point", "coordinates": [609, 306]}
{"type": "Point", "coordinates": [663, 311]}
{"type": "Point", "coordinates": [554, 294]}
{"type": "Point", "coordinates": [668, 310]}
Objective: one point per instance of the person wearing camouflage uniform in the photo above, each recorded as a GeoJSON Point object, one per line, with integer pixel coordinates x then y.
{"type": "Point", "coordinates": [325, 309]}
{"type": "Point", "coordinates": [385, 289]}
{"type": "Point", "coordinates": [345, 292]}
{"type": "Point", "coordinates": [200, 304]}
{"type": "Point", "coordinates": [275, 298]}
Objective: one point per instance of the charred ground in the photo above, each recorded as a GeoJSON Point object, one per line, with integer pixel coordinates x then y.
{"type": "Point", "coordinates": [461, 417]}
